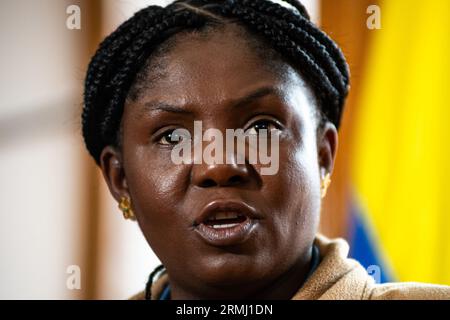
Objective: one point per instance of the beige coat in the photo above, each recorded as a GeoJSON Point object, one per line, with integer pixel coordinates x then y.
{"type": "Point", "coordinates": [338, 277]}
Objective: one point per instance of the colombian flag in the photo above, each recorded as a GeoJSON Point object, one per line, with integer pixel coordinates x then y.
{"type": "Point", "coordinates": [401, 146]}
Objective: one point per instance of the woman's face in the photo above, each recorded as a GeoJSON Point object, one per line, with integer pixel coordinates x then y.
{"type": "Point", "coordinates": [203, 78]}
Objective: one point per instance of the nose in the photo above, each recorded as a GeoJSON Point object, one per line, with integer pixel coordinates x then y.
{"type": "Point", "coordinates": [222, 175]}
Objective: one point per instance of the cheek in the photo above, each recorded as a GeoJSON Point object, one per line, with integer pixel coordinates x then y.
{"type": "Point", "coordinates": [299, 201]}
{"type": "Point", "coordinates": [152, 174]}
{"type": "Point", "coordinates": [156, 188]}
{"type": "Point", "coordinates": [305, 167]}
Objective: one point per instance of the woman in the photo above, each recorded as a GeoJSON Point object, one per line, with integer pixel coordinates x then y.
{"type": "Point", "coordinates": [223, 229]}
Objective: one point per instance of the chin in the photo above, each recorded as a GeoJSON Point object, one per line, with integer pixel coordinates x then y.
{"type": "Point", "coordinates": [231, 269]}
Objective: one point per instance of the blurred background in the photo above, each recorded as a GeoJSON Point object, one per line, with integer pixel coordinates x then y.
{"type": "Point", "coordinates": [389, 192]}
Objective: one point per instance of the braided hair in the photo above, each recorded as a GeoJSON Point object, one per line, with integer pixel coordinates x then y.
{"type": "Point", "coordinates": [148, 287]}
{"type": "Point", "coordinates": [114, 69]}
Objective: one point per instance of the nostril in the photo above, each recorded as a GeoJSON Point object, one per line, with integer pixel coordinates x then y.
{"type": "Point", "coordinates": [208, 183]}
{"type": "Point", "coordinates": [232, 181]}
{"type": "Point", "coordinates": [235, 180]}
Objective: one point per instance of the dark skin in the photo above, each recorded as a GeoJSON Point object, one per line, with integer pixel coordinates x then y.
{"type": "Point", "coordinates": [205, 77]}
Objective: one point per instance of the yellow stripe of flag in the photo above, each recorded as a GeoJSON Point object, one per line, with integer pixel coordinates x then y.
{"type": "Point", "coordinates": [401, 154]}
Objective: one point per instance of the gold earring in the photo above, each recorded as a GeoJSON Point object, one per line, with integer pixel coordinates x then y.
{"type": "Point", "coordinates": [324, 184]}
{"type": "Point", "coordinates": [125, 206]}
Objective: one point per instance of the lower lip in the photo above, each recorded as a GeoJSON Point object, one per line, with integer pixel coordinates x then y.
{"type": "Point", "coordinates": [232, 235]}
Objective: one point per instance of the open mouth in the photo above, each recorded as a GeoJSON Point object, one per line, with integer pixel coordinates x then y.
{"type": "Point", "coordinates": [223, 220]}
{"type": "Point", "coordinates": [224, 223]}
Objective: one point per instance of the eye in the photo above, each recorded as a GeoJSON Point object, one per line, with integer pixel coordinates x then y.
{"type": "Point", "coordinates": [171, 137]}
{"type": "Point", "coordinates": [264, 124]}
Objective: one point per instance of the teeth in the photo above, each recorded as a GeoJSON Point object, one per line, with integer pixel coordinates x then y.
{"type": "Point", "coordinates": [222, 226]}
{"type": "Point", "coordinates": [224, 215]}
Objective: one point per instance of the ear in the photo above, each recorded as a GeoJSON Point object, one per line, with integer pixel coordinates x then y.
{"type": "Point", "coordinates": [327, 148]}
{"type": "Point", "coordinates": [113, 172]}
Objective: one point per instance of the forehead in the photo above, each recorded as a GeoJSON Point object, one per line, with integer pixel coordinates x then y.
{"type": "Point", "coordinates": [206, 69]}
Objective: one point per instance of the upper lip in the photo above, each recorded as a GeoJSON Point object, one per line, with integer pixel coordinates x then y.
{"type": "Point", "coordinates": [226, 206]}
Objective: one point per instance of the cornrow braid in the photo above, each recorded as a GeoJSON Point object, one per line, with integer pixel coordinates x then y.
{"type": "Point", "coordinates": [306, 25]}
{"type": "Point", "coordinates": [132, 59]}
{"type": "Point", "coordinates": [123, 54]}
{"type": "Point", "coordinates": [304, 50]}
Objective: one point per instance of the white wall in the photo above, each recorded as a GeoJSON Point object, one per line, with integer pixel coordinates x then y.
{"type": "Point", "coordinates": [40, 225]}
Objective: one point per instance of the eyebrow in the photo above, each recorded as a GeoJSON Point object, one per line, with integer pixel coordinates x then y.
{"type": "Point", "coordinates": [236, 103]}
{"type": "Point", "coordinates": [255, 95]}
{"type": "Point", "coordinates": [162, 106]}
